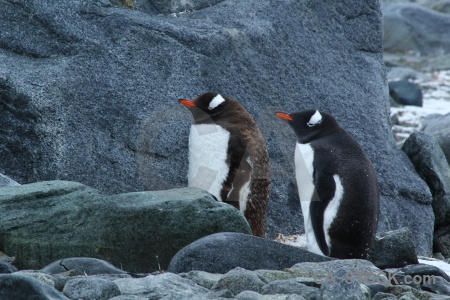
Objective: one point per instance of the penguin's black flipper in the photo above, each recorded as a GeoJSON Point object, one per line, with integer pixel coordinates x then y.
{"type": "Point", "coordinates": [321, 197]}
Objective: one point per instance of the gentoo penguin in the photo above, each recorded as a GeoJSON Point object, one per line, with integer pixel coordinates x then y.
{"type": "Point", "coordinates": [337, 185]}
{"type": "Point", "coordinates": [228, 156]}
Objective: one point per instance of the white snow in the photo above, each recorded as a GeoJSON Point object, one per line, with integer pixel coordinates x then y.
{"type": "Point", "coordinates": [436, 100]}
{"type": "Point", "coordinates": [437, 263]}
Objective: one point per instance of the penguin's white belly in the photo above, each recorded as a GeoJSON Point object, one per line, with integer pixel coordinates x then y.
{"type": "Point", "coordinates": [208, 144]}
{"type": "Point", "coordinates": [304, 157]}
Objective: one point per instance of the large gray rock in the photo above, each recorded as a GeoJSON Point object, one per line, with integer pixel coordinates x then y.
{"type": "Point", "coordinates": [140, 232]}
{"type": "Point", "coordinates": [438, 126]}
{"type": "Point", "coordinates": [89, 90]}
{"type": "Point", "coordinates": [222, 252]}
{"type": "Point", "coordinates": [405, 92]}
{"type": "Point", "coordinates": [432, 166]}
{"type": "Point", "coordinates": [410, 27]}
{"type": "Point", "coordinates": [441, 241]}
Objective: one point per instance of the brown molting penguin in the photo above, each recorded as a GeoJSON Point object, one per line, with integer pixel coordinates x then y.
{"type": "Point", "coordinates": [228, 156]}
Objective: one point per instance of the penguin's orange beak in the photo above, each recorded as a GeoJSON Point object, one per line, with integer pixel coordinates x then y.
{"type": "Point", "coordinates": [284, 116]}
{"type": "Point", "coordinates": [187, 103]}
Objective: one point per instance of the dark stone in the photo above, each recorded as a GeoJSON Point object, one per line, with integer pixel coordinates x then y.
{"type": "Point", "coordinates": [432, 166]}
{"type": "Point", "coordinates": [406, 93]}
{"type": "Point", "coordinates": [410, 27]}
{"type": "Point", "coordinates": [6, 268]}
{"type": "Point", "coordinates": [222, 252]}
{"type": "Point", "coordinates": [376, 288]}
{"type": "Point", "coordinates": [97, 102]}
{"type": "Point", "coordinates": [438, 126]}
{"type": "Point", "coordinates": [83, 265]}
{"type": "Point", "coordinates": [140, 232]}
{"type": "Point", "coordinates": [19, 287]}
{"type": "Point", "coordinates": [441, 241]}
{"type": "Point", "coordinates": [393, 249]}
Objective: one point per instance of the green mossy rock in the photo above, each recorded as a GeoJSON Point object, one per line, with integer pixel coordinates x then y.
{"type": "Point", "coordinates": [139, 232]}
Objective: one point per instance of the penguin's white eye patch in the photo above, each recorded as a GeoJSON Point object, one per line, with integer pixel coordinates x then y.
{"type": "Point", "coordinates": [216, 101]}
{"type": "Point", "coordinates": [315, 119]}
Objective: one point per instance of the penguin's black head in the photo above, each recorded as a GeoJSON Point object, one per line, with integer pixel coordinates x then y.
{"type": "Point", "coordinates": [309, 124]}
{"type": "Point", "coordinates": [206, 107]}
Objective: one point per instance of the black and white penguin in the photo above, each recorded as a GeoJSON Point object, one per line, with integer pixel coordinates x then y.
{"type": "Point", "coordinates": [228, 156]}
{"type": "Point", "coordinates": [337, 185]}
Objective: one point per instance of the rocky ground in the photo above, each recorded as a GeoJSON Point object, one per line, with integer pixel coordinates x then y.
{"type": "Point", "coordinates": [138, 259]}
{"type": "Point", "coordinates": [211, 268]}
{"type": "Point", "coordinates": [231, 265]}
